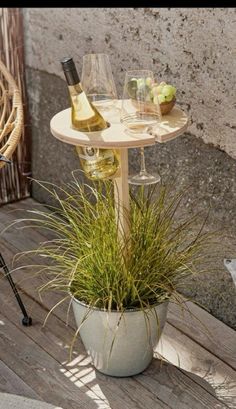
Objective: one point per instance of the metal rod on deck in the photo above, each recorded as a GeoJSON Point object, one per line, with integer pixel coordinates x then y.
{"type": "Point", "coordinates": [26, 320]}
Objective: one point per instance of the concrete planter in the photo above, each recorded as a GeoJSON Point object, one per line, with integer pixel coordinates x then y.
{"type": "Point", "coordinates": [120, 345]}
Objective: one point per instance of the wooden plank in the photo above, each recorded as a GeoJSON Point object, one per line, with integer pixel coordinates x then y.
{"type": "Point", "coordinates": [11, 383]}
{"type": "Point", "coordinates": [199, 364]}
{"type": "Point", "coordinates": [40, 371]}
{"type": "Point", "coordinates": [176, 388]}
{"type": "Point", "coordinates": [139, 396]}
{"type": "Point", "coordinates": [55, 342]}
{"type": "Point", "coordinates": [205, 329]}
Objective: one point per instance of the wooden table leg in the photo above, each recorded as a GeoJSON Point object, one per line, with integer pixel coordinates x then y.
{"type": "Point", "coordinates": [121, 192]}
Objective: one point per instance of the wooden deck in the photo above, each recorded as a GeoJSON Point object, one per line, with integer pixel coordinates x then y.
{"type": "Point", "coordinates": [198, 369]}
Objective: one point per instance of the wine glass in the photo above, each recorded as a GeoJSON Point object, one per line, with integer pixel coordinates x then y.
{"type": "Point", "coordinates": [98, 82]}
{"type": "Point", "coordinates": [139, 114]}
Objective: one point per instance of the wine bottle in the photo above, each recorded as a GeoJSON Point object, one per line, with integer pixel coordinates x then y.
{"type": "Point", "coordinates": [97, 163]}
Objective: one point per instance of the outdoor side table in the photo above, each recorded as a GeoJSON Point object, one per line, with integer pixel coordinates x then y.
{"type": "Point", "coordinates": [172, 125]}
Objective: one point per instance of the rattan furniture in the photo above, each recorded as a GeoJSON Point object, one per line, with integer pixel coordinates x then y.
{"type": "Point", "coordinates": [11, 125]}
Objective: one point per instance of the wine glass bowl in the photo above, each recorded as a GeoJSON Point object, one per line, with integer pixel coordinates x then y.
{"type": "Point", "coordinates": [97, 80]}
{"type": "Point", "coordinates": [138, 113]}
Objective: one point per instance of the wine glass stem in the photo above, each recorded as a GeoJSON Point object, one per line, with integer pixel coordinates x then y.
{"type": "Point", "coordinates": [143, 166]}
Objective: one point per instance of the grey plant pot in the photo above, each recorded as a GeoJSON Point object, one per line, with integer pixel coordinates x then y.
{"type": "Point", "coordinates": [120, 344]}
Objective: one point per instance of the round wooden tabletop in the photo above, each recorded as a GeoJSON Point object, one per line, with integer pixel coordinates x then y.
{"type": "Point", "coordinates": [172, 125]}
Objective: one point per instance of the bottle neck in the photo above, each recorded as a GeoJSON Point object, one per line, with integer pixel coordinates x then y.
{"type": "Point", "coordinates": [75, 89]}
{"type": "Point", "coordinates": [71, 74]}
{"type": "Point", "coordinates": [72, 77]}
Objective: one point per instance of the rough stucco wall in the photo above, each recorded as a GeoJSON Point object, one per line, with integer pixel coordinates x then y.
{"type": "Point", "coordinates": [195, 49]}
{"type": "Point", "coordinates": [192, 48]}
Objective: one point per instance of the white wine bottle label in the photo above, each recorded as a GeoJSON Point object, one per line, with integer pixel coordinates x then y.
{"type": "Point", "coordinates": [94, 154]}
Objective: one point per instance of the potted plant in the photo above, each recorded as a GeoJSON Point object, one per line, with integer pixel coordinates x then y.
{"type": "Point", "coordinates": [120, 298]}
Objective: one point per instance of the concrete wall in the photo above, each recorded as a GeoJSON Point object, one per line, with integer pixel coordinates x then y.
{"type": "Point", "coordinates": [195, 50]}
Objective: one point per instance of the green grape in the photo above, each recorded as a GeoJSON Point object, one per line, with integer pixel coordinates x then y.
{"type": "Point", "coordinates": [167, 90]}
{"type": "Point", "coordinates": [169, 98]}
{"type": "Point", "coordinates": [161, 98]}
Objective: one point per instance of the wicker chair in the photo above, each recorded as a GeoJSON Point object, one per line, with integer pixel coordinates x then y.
{"type": "Point", "coordinates": [11, 126]}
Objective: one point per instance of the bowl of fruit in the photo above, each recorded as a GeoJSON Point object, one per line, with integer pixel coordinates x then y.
{"type": "Point", "coordinates": [161, 93]}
